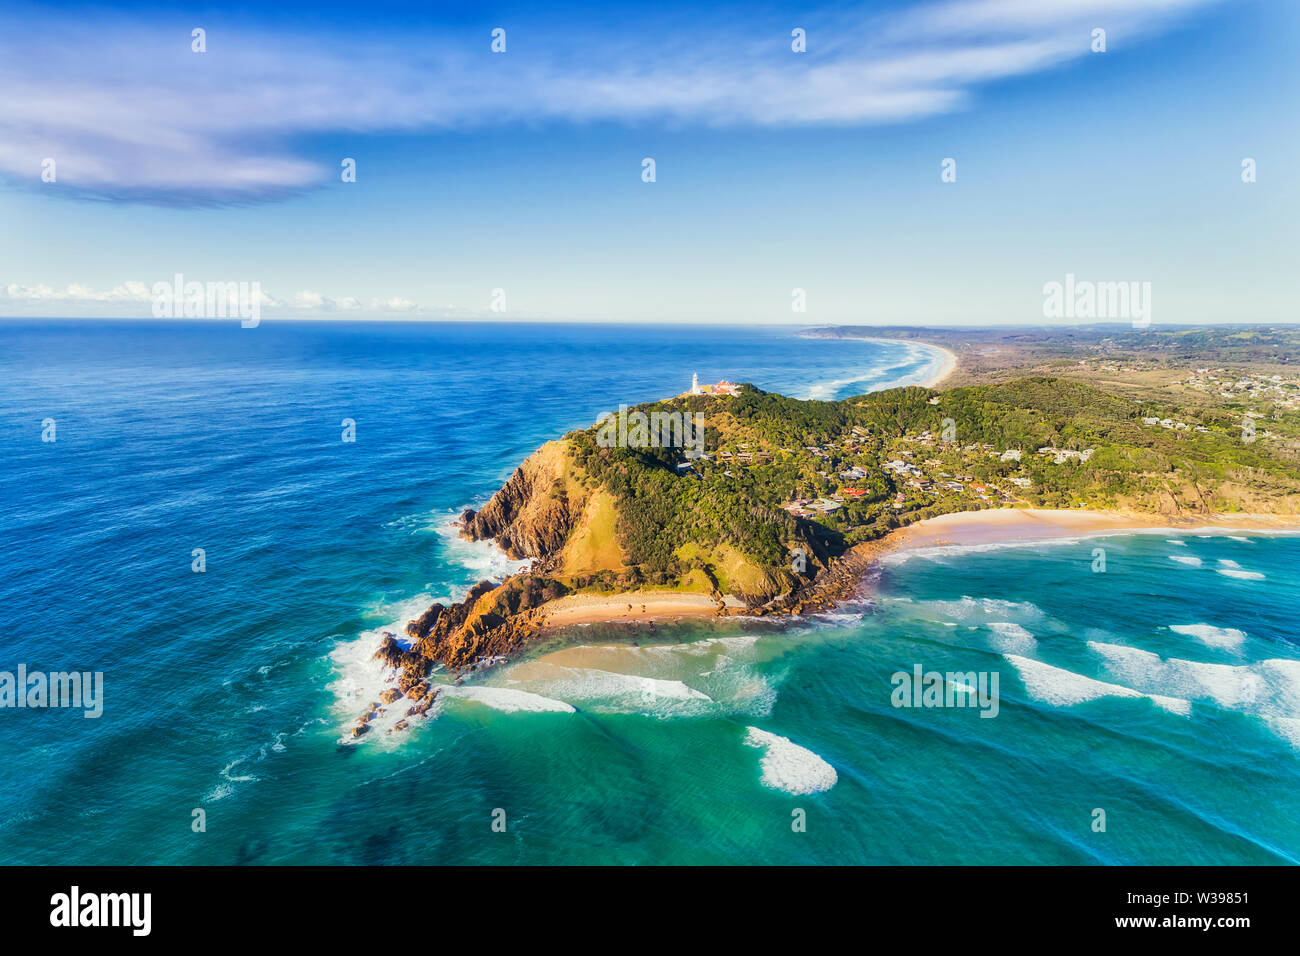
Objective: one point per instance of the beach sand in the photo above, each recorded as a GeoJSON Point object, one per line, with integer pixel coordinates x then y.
{"type": "Point", "coordinates": [645, 606]}
{"type": "Point", "coordinates": [1002, 525]}
{"type": "Point", "coordinates": [948, 367]}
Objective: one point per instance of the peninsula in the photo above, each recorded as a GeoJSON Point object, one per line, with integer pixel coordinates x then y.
{"type": "Point", "coordinates": [777, 506]}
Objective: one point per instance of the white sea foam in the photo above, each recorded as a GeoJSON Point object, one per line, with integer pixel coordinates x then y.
{"type": "Point", "coordinates": [734, 644]}
{"type": "Point", "coordinates": [1211, 636]}
{"type": "Point", "coordinates": [227, 787]}
{"type": "Point", "coordinates": [359, 679]}
{"type": "Point", "coordinates": [787, 766]}
{"type": "Point", "coordinates": [1241, 575]}
{"type": "Point", "coordinates": [740, 689]}
{"type": "Point", "coordinates": [938, 551]}
{"type": "Point", "coordinates": [1177, 541]}
{"type": "Point", "coordinates": [508, 700]}
{"type": "Point", "coordinates": [972, 610]}
{"type": "Point", "coordinates": [1268, 688]}
{"type": "Point", "coordinates": [839, 618]}
{"type": "Point", "coordinates": [1175, 705]}
{"type": "Point", "coordinates": [903, 555]}
{"type": "Point", "coordinates": [1191, 559]}
{"type": "Point", "coordinates": [1221, 683]}
{"type": "Point", "coordinates": [1288, 728]}
{"type": "Point", "coordinates": [727, 671]}
{"type": "Point", "coordinates": [608, 692]}
{"type": "Point", "coordinates": [1063, 688]}
{"type": "Point", "coordinates": [1012, 638]}
{"type": "Point", "coordinates": [233, 778]}
{"type": "Point", "coordinates": [1234, 570]}
{"type": "Point", "coordinates": [880, 377]}
{"type": "Point", "coordinates": [483, 559]}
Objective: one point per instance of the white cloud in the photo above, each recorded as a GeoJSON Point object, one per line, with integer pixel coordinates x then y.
{"type": "Point", "coordinates": [127, 110]}
{"type": "Point", "coordinates": [76, 293]}
{"type": "Point", "coordinates": [134, 299]}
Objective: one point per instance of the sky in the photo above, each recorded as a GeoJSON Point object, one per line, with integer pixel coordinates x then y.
{"type": "Point", "coordinates": [512, 185]}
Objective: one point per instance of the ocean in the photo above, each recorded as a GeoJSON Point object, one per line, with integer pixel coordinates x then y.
{"type": "Point", "coordinates": [1163, 692]}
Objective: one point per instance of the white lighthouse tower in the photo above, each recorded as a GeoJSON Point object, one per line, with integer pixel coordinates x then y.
{"type": "Point", "coordinates": [695, 385]}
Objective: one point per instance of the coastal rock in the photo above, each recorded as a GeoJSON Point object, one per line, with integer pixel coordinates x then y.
{"type": "Point", "coordinates": [491, 621]}
{"type": "Point", "coordinates": [422, 625]}
{"type": "Point", "coordinates": [392, 653]}
{"type": "Point", "coordinates": [390, 695]}
{"type": "Point", "coordinates": [421, 708]}
{"type": "Point", "coordinates": [532, 515]}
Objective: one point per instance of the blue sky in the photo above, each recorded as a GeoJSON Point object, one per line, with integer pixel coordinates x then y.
{"type": "Point", "coordinates": [775, 170]}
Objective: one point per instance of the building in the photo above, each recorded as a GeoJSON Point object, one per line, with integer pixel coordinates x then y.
{"type": "Point", "coordinates": [719, 388]}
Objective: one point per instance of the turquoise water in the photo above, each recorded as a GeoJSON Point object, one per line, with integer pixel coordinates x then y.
{"type": "Point", "coordinates": [1165, 692]}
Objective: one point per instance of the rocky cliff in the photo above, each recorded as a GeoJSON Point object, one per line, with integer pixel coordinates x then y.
{"type": "Point", "coordinates": [492, 621]}
{"type": "Point", "coordinates": [535, 511]}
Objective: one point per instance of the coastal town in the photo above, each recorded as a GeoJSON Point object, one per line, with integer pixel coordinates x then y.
{"type": "Point", "coordinates": [844, 479]}
{"type": "Point", "coordinates": [906, 473]}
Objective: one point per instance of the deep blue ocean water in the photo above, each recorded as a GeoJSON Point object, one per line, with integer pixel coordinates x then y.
{"type": "Point", "coordinates": [1165, 691]}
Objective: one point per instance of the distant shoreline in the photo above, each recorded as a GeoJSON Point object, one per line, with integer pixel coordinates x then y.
{"type": "Point", "coordinates": [949, 357]}
{"type": "Point", "coordinates": [947, 368]}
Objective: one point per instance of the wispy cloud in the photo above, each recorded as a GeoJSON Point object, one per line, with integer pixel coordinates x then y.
{"type": "Point", "coordinates": [134, 299]}
{"type": "Point", "coordinates": [127, 111]}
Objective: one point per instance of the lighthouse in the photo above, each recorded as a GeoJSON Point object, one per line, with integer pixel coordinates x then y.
{"type": "Point", "coordinates": [695, 385]}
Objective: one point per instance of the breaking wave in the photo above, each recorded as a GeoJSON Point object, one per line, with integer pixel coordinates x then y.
{"type": "Point", "coordinates": [1211, 636]}
{"type": "Point", "coordinates": [787, 766]}
{"type": "Point", "coordinates": [508, 700]}
{"type": "Point", "coordinates": [1063, 688]}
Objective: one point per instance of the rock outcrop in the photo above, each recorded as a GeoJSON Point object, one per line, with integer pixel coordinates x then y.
{"type": "Point", "coordinates": [491, 622]}
{"type": "Point", "coordinates": [535, 511]}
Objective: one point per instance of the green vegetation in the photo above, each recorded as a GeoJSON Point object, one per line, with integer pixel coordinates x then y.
{"type": "Point", "coordinates": [780, 474]}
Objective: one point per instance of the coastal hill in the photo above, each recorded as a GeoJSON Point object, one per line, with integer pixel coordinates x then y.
{"type": "Point", "coordinates": [769, 508]}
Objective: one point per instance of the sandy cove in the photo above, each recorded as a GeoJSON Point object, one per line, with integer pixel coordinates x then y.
{"type": "Point", "coordinates": [634, 606]}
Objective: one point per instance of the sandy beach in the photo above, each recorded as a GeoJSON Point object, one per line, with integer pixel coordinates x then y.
{"type": "Point", "coordinates": [635, 606]}
{"type": "Point", "coordinates": [946, 369]}
{"type": "Point", "coordinates": [1001, 525]}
